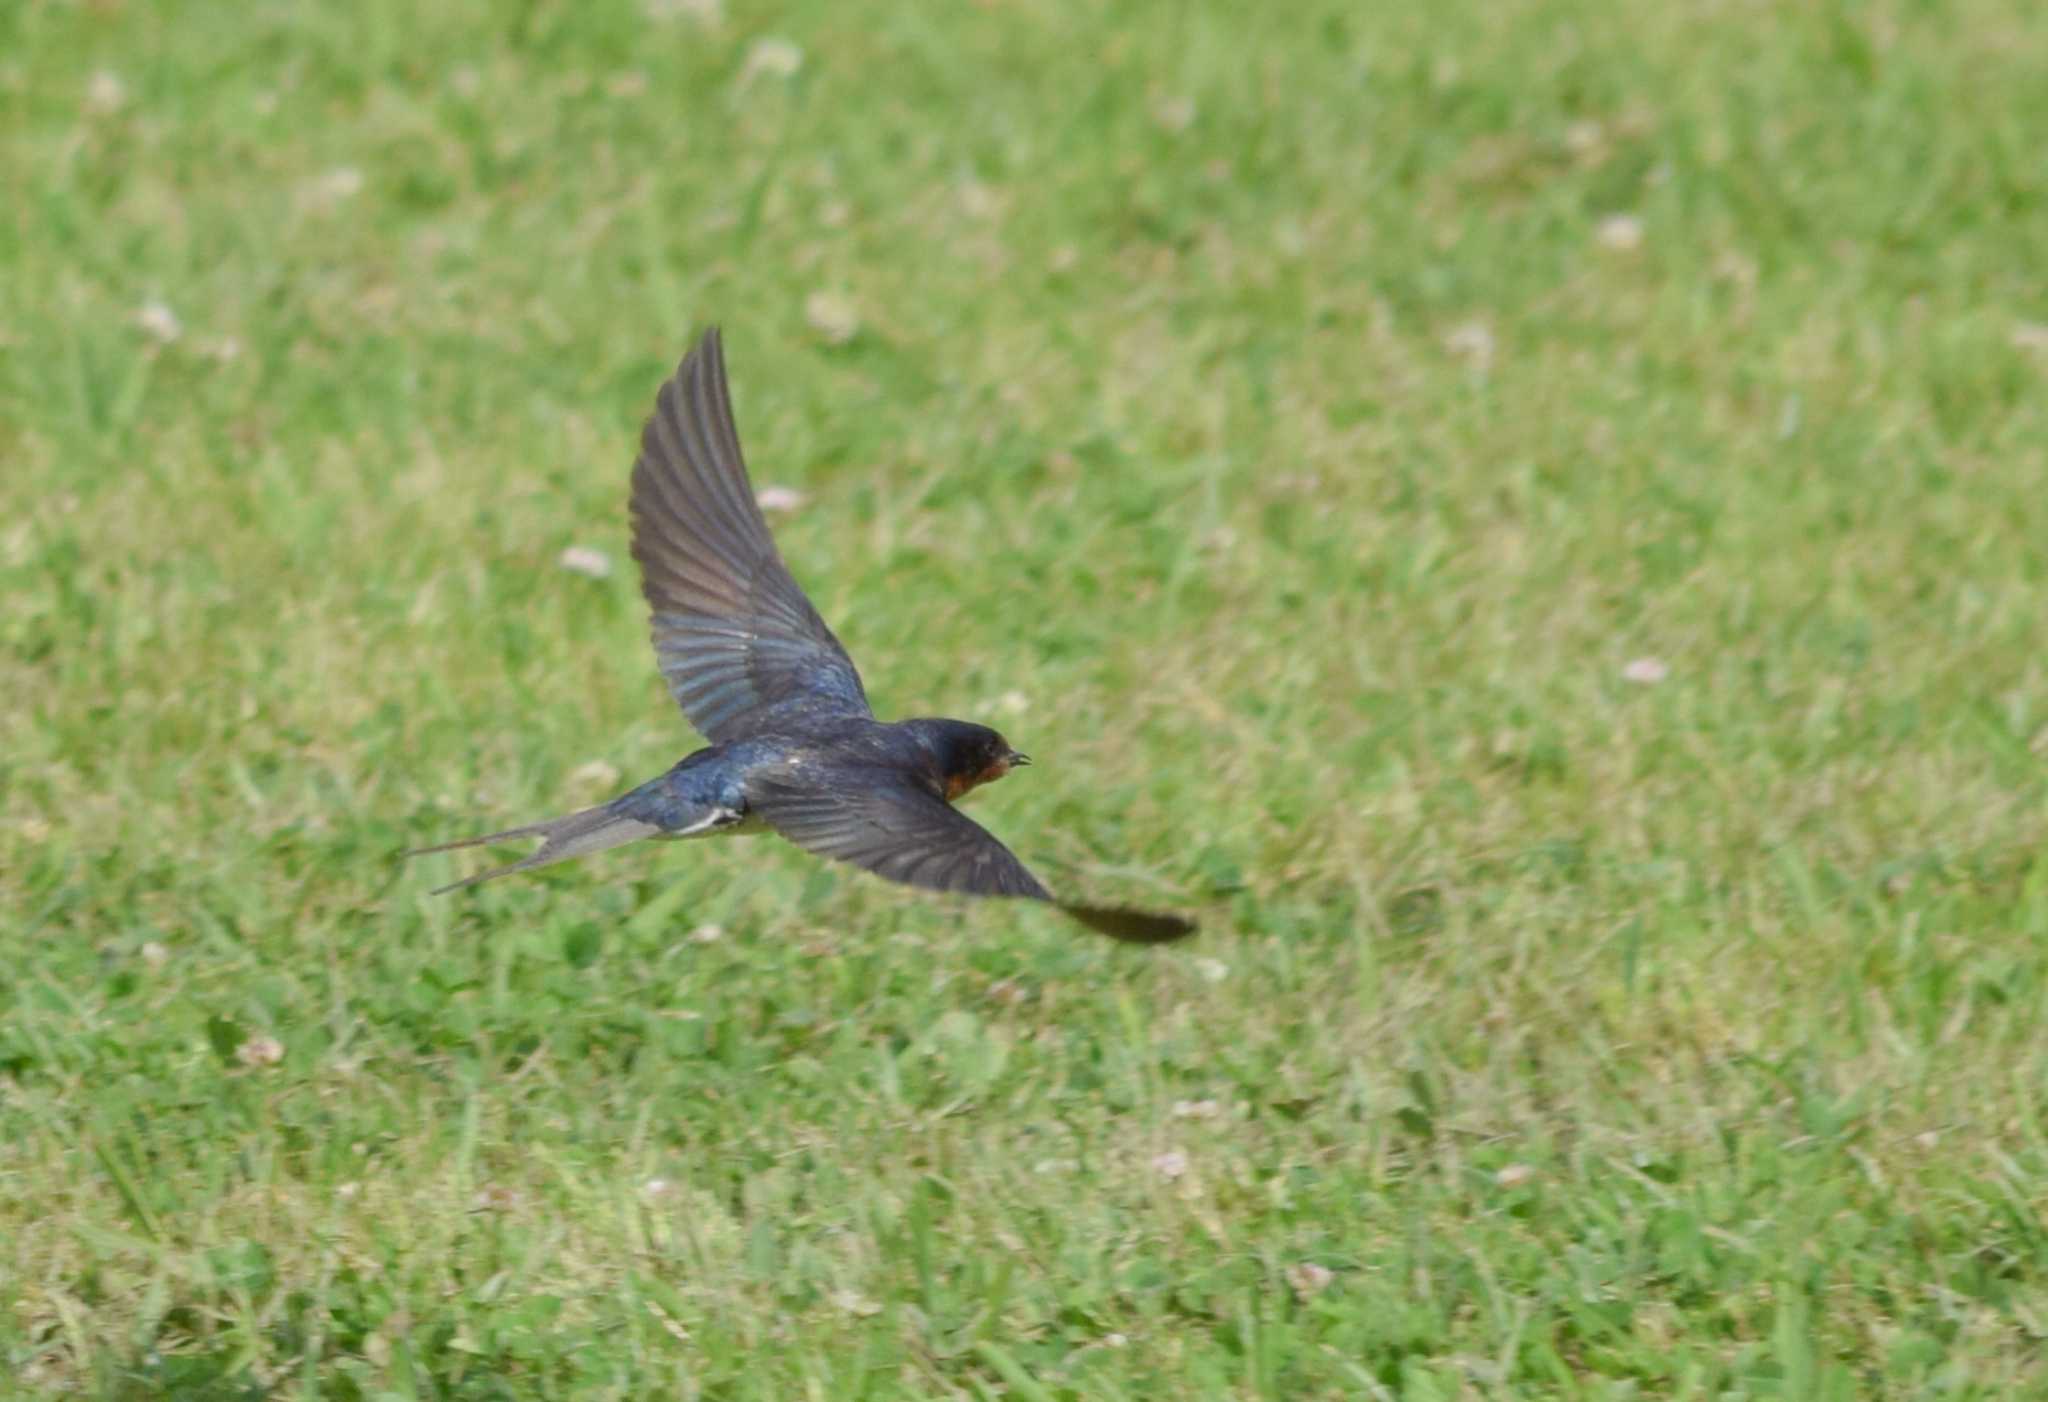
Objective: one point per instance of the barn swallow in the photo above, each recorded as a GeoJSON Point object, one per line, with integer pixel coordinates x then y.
{"type": "Point", "coordinates": [794, 747]}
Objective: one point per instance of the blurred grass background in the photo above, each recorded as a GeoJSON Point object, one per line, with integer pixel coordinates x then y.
{"type": "Point", "coordinates": [1528, 517]}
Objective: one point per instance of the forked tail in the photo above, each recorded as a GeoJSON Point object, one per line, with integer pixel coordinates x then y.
{"type": "Point", "coordinates": [578, 835]}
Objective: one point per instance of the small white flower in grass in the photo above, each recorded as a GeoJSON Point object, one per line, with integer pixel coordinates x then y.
{"type": "Point", "coordinates": [855, 1303]}
{"type": "Point", "coordinates": [1584, 138]}
{"type": "Point", "coordinates": [341, 183]}
{"type": "Point", "coordinates": [1196, 1109]}
{"type": "Point", "coordinates": [1212, 970]}
{"type": "Point", "coordinates": [1620, 233]}
{"type": "Point", "coordinates": [1170, 1165]}
{"type": "Point", "coordinates": [1645, 671]}
{"type": "Point", "coordinates": [779, 498]}
{"type": "Point", "coordinates": [709, 13]}
{"type": "Point", "coordinates": [777, 58]}
{"type": "Point", "coordinates": [977, 201]}
{"type": "Point", "coordinates": [596, 774]}
{"type": "Point", "coordinates": [1174, 114]}
{"type": "Point", "coordinates": [159, 322]}
{"type": "Point", "coordinates": [1115, 1340]}
{"type": "Point", "coordinates": [105, 93]}
{"type": "Point", "coordinates": [322, 193]}
{"type": "Point", "coordinates": [1927, 1140]}
{"type": "Point", "coordinates": [1308, 1279]}
{"type": "Point", "coordinates": [348, 1192]}
{"type": "Point", "coordinates": [1733, 267]}
{"type": "Point", "coordinates": [582, 559]}
{"type": "Point", "coordinates": [1472, 343]}
{"type": "Point", "coordinates": [832, 316]}
{"type": "Point", "coordinates": [1514, 1175]}
{"type": "Point", "coordinates": [260, 1051]}
{"type": "Point", "coordinates": [155, 954]}
{"type": "Point", "coordinates": [2031, 336]}
{"type": "Point", "coordinates": [655, 1188]}
{"type": "Point", "coordinates": [707, 934]}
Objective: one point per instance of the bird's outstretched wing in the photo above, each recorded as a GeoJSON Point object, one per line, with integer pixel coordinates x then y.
{"type": "Point", "coordinates": [882, 820]}
{"type": "Point", "coordinates": [738, 643]}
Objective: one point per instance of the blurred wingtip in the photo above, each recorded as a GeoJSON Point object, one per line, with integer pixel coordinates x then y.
{"type": "Point", "coordinates": [1132, 926]}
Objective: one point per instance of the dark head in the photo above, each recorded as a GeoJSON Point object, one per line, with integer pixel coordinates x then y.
{"type": "Point", "coordinates": [969, 755]}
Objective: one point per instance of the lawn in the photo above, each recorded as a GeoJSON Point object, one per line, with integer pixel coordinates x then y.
{"type": "Point", "coordinates": [1529, 519]}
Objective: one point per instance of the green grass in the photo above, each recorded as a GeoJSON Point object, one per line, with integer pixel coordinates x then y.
{"type": "Point", "coordinates": [1268, 424]}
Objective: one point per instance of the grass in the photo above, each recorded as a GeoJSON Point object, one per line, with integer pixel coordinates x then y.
{"type": "Point", "coordinates": [1290, 431]}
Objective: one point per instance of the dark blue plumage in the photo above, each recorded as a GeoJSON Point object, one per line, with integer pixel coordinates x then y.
{"type": "Point", "coordinates": [795, 747]}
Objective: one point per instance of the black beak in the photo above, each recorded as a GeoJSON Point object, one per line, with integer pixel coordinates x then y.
{"type": "Point", "coordinates": [1018, 761]}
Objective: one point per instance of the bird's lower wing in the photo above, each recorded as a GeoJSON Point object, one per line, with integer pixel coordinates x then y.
{"type": "Point", "coordinates": [884, 822]}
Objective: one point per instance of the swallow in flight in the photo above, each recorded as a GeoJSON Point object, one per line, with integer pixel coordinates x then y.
{"type": "Point", "coordinates": [794, 748]}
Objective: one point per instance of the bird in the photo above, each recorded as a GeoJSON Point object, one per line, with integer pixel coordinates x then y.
{"type": "Point", "coordinates": [795, 749]}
